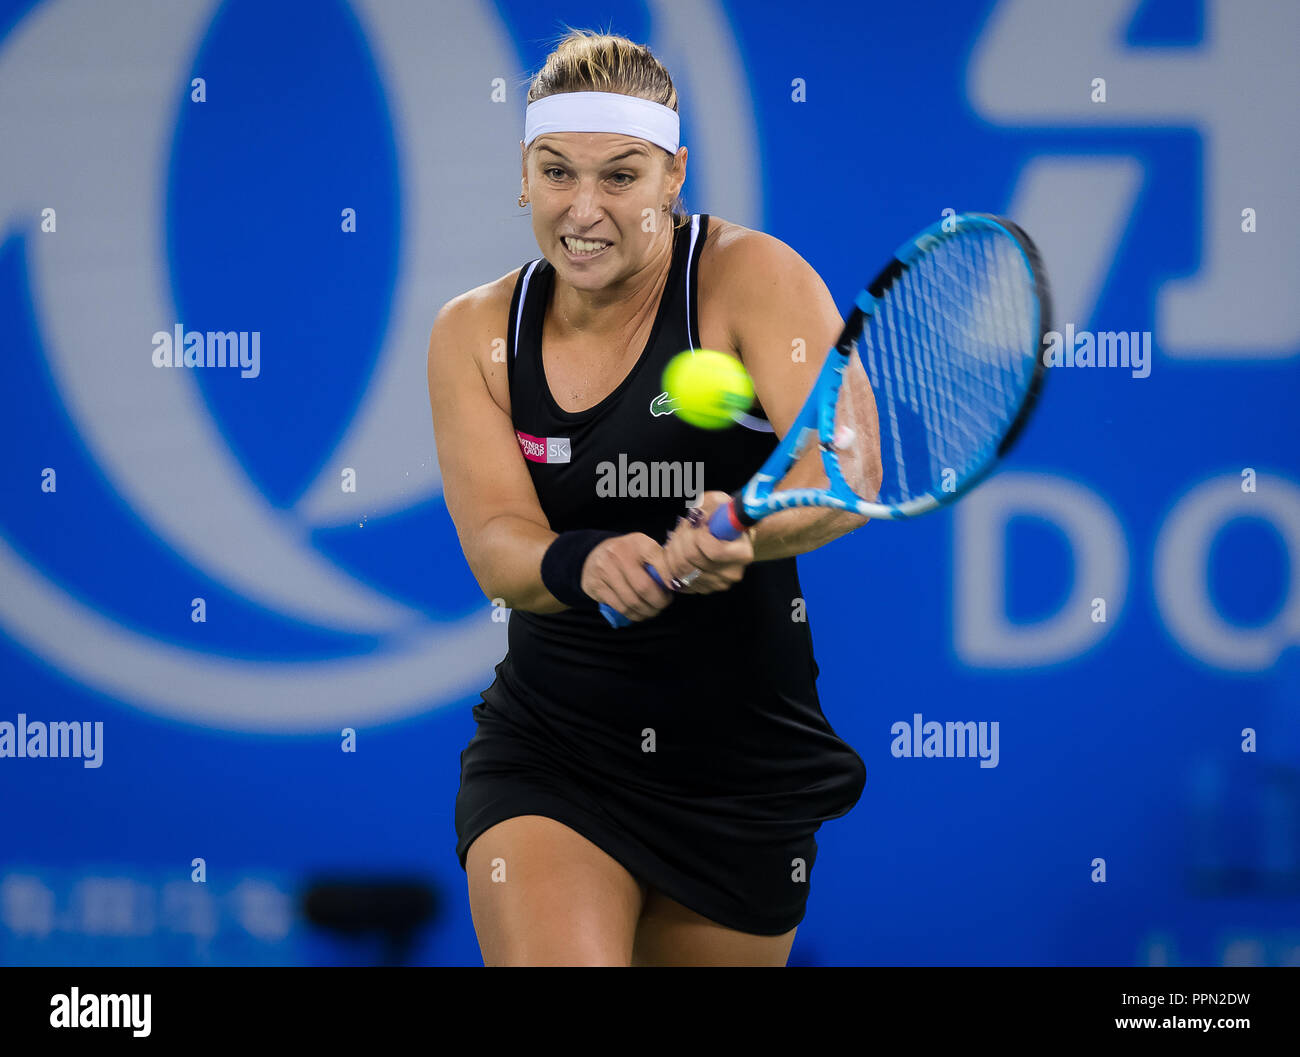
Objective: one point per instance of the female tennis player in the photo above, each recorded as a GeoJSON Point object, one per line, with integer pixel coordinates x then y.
{"type": "Point", "coordinates": [646, 795]}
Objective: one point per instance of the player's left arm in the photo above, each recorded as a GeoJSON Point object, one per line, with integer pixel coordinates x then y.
{"type": "Point", "coordinates": [782, 321]}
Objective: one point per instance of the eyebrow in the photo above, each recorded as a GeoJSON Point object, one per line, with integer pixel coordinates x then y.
{"type": "Point", "coordinates": [608, 161]}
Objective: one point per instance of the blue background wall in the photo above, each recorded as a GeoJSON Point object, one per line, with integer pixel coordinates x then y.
{"type": "Point", "coordinates": [1123, 741]}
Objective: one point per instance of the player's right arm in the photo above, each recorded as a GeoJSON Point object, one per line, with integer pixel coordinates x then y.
{"type": "Point", "coordinates": [489, 493]}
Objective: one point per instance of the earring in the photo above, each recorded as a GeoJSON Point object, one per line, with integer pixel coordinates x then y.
{"type": "Point", "coordinates": [522, 203]}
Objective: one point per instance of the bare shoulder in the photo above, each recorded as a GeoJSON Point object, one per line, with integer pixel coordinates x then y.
{"type": "Point", "coordinates": [482, 306]}
{"type": "Point", "coordinates": [476, 325]}
{"type": "Point", "coordinates": [733, 247]}
{"type": "Point", "coordinates": [742, 270]}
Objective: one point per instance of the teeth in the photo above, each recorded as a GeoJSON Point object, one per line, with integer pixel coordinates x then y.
{"type": "Point", "coordinates": [582, 246]}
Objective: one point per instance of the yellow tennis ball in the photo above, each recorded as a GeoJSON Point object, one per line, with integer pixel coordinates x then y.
{"type": "Point", "coordinates": [708, 388]}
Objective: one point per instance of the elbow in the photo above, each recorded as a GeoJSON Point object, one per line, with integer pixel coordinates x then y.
{"type": "Point", "coordinates": [493, 591]}
{"type": "Point", "coordinates": [474, 546]}
{"type": "Point", "coordinates": [846, 522]}
{"type": "Point", "coordinates": [502, 595]}
{"type": "Point", "coordinates": [497, 593]}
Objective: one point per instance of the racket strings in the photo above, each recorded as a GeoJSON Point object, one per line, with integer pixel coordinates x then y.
{"type": "Point", "coordinates": [927, 334]}
{"type": "Point", "coordinates": [991, 337]}
{"type": "Point", "coordinates": [986, 333]}
{"type": "Point", "coordinates": [949, 351]}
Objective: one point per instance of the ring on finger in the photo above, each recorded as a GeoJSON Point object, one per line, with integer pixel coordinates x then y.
{"type": "Point", "coordinates": [685, 581]}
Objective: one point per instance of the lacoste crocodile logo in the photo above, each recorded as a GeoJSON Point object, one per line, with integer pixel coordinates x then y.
{"type": "Point", "coordinates": [662, 405]}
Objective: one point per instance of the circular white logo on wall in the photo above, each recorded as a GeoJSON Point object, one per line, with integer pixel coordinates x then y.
{"type": "Point", "coordinates": [110, 158]}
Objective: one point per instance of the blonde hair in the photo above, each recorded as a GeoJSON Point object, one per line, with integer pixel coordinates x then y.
{"type": "Point", "coordinates": [586, 61]}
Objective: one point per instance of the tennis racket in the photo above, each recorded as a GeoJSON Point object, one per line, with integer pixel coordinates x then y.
{"type": "Point", "coordinates": [950, 334]}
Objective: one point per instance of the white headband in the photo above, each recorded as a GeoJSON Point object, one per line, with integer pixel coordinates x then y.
{"type": "Point", "coordinates": [603, 112]}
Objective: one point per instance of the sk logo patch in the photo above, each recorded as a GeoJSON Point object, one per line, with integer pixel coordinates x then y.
{"type": "Point", "coordinates": [544, 449]}
{"type": "Point", "coordinates": [662, 405]}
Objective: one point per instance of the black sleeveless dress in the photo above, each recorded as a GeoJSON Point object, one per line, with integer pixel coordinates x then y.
{"type": "Point", "coordinates": [690, 747]}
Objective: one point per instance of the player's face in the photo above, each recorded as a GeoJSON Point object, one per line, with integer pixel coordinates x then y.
{"type": "Point", "coordinates": [605, 189]}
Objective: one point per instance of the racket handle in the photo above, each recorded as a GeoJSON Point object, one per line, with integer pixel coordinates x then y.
{"type": "Point", "coordinates": [615, 618]}
{"type": "Point", "coordinates": [723, 523]}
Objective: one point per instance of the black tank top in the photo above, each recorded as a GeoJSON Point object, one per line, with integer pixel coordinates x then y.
{"type": "Point", "coordinates": [725, 680]}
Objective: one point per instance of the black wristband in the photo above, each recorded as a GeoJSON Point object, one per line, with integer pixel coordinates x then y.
{"type": "Point", "coordinates": [563, 561]}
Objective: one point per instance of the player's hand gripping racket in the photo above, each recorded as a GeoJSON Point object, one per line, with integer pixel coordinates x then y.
{"type": "Point", "coordinates": [951, 335]}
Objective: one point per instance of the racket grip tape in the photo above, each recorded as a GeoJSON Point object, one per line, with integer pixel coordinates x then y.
{"type": "Point", "coordinates": [615, 618]}
{"type": "Point", "coordinates": [724, 524]}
